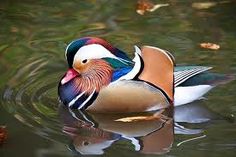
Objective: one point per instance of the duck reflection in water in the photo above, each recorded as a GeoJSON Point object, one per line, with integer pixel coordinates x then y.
{"type": "Point", "coordinates": [149, 133]}
{"type": "Point", "coordinates": [91, 133]}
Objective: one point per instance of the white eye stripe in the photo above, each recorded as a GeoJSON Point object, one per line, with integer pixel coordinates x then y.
{"type": "Point", "coordinates": [93, 51]}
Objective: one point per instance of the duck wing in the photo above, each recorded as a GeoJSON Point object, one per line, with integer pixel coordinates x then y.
{"type": "Point", "coordinates": [183, 73]}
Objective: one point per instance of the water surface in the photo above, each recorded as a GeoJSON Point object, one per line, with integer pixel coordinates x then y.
{"type": "Point", "coordinates": [33, 37]}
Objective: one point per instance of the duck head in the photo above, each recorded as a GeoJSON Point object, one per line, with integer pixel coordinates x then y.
{"type": "Point", "coordinates": [92, 65]}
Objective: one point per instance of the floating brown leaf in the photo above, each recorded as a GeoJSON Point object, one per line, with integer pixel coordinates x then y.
{"type": "Point", "coordinates": [137, 118]}
{"type": "Point", "coordinates": [3, 134]}
{"type": "Point", "coordinates": [211, 46]}
{"type": "Point", "coordinates": [14, 29]}
{"type": "Point", "coordinates": [147, 5]}
{"type": "Point", "coordinates": [203, 5]}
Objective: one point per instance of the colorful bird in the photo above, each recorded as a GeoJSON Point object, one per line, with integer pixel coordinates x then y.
{"type": "Point", "coordinates": [102, 78]}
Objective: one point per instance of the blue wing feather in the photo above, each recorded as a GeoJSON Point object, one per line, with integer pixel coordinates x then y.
{"type": "Point", "coordinates": [120, 72]}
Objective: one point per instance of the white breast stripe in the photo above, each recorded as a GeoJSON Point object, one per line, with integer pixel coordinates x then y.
{"type": "Point", "coordinates": [85, 102]}
{"type": "Point", "coordinates": [136, 68]}
{"type": "Point", "coordinates": [75, 99]}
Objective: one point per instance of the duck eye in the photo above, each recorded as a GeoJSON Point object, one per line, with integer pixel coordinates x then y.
{"type": "Point", "coordinates": [85, 143]}
{"type": "Point", "coordinates": [84, 61]}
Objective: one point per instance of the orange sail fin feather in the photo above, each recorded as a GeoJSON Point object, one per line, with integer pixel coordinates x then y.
{"type": "Point", "coordinates": [158, 69]}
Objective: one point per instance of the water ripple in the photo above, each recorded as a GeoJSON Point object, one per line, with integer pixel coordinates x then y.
{"type": "Point", "coordinates": [30, 95]}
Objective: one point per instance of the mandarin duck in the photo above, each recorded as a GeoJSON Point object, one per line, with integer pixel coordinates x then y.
{"type": "Point", "coordinates": [102, 78]}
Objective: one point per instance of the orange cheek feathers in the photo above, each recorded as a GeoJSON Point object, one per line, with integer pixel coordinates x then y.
{"type": "Point", "coordinates": [79, 67]}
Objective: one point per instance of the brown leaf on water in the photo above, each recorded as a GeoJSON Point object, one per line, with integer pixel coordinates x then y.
{"type": "Point", "coordinates": [3, 134]}
{"type": "Point", "coordinates": [211, 46]}
{"type": "Point", "coordinates": [147, 6]}
{"type": "Point", "coordinates": [203, 5]}
{"type": "Point", "coordinates": [14, 29]}
{"type": "Point", "coordinates": [135, 118]}
{"type": "Point", "coordinates": [143, 6]}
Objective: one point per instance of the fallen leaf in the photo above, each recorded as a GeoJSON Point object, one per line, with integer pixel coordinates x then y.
{"type": "Point", "coordinates": [97, 25]}
{"type": "Point", "coordinates": [3, 134]}
{"type": "Point", "coordinates": [211, 46]}
{"type": "Point", "coordinates": [14, 29]}
{"type": "Point", "coordinates": [137, 118]}
{"type": "Point", "coordinates": [203, 5]}
{"type": "Point", "coordinates": [147, 5]}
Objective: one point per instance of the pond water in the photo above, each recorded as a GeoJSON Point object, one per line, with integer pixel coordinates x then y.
{"type": "Point", "coordinates": [33, 37]}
